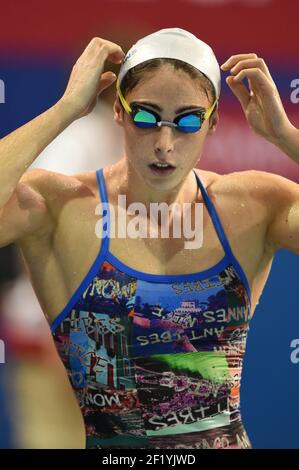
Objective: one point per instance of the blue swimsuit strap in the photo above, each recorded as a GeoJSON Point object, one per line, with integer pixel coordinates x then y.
{"type": "Point", "coordinates": [106, 211]}
{"type": "Point", "coordinates": [215, 219]}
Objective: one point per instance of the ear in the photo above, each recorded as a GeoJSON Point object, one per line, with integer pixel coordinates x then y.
{"type": "Point", "coordinates": [213, 121]}
{"type": "Point", "coordinates": [118, 111]}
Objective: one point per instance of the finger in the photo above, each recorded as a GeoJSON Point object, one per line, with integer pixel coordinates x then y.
{"type": "Point", "coordinates": [240, 91]}
{"type": "Point", "coordinates": [234, 59]}
{"type": "Point", "coordinates": [251, 63]}
{"type": "Point", "coordinates": [107, 78]}
{"type": "Point", "coordinates": [114, 52]}
{"type": "Point", "coordinates": [258, 80]}
{"type": "Point", "coordinates": [116, 56]}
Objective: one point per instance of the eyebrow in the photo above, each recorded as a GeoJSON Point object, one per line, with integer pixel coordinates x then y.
{"type": "Point", "coordinates": [179, 110]}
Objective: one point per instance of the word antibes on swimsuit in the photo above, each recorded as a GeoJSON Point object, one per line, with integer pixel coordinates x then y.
{"type": "Point", "coordinates": [145, 225]}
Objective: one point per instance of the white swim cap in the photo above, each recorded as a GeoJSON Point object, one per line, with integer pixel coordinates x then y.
{"type": "Point", "coordinates": [174, 43]}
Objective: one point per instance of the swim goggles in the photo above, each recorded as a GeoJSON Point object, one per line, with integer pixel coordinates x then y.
{"type": "Point", "coordinates": [145, 118]}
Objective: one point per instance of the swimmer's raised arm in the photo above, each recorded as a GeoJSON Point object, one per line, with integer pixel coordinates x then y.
{"type": "Point", "coordinates": [23, 204]}
{"type": "Point", "coordinates": [261, 103]}
{"type": "Point", "coordinates": [265, 114]}
{"type": "Point", "coordinates": [21, 147]}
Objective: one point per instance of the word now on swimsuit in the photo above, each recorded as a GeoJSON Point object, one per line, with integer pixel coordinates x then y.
{"type": "Point", "coordinates": [155, 360]}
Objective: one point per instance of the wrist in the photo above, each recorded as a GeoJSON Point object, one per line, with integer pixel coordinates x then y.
{"type": "Point", "coordinates": [285, 133]}
{"type": "Point", "coordinates": [66, 110]}
{"type": "Point", "coordinates": [288, 140]}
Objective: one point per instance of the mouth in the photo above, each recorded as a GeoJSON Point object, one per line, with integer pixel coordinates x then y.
{"type": "Point", "coordinates": [162, 169]}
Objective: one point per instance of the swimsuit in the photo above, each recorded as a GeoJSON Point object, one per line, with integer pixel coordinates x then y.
{"type": "Point", "coordinates": [155, 361]}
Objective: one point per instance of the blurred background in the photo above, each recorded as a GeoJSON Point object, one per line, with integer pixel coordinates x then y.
{"type": "Point", "coordinates": [39, 44]}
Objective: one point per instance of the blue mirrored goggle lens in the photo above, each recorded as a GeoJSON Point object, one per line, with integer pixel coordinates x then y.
{"type": "Point", "coordinates": [145, 119]}
{"type": "Point", "coordinates": [189, 123]}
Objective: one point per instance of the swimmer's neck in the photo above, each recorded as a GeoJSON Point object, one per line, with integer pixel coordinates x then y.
{"type": "Point", "coordinates": [137, 189]}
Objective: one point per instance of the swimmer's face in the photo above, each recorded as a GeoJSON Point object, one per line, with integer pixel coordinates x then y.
{"type": "Point", "coordinates": [170, 90]}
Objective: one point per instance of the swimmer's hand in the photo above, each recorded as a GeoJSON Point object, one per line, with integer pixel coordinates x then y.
{"type": "Point", "coordinates": [87, 79]}
{"type": "Point", "coordinates": [261, 103]}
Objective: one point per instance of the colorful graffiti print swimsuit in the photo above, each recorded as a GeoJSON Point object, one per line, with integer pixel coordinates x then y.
{"type": "Point", "coordinates": [155, 360]}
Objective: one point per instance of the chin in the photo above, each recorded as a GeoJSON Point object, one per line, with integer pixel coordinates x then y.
{"type": "Point", "coordinates": [168, 183]}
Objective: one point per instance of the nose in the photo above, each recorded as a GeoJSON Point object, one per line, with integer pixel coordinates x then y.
{"type": "Point", "coordinates": [164, 141]}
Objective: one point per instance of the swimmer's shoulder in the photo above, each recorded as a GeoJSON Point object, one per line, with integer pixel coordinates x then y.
{"type": "Point", "coordinates": [48, 181]}
{"type": "Point", "coordinates": [267, 197]}
{"type": "Point", "coordinates": [252, 184]}
{"type": "Point", "coordinates": [58, 188]}
{"type": "Point", "coordinates": [87, 181]}
{"type": "Point", "coordinates": [113, 177]}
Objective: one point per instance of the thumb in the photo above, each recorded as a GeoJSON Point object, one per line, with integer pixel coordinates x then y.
{"type": "Point", "coordinates": [239, 90]}
{"type": "Point", "coordinates": [106, 80]}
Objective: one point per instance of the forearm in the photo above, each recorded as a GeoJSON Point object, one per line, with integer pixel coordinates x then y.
{"type": "Point", "coordinates": [21, 147]}
{"type": "Point", "coordinates": [288, 142]}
